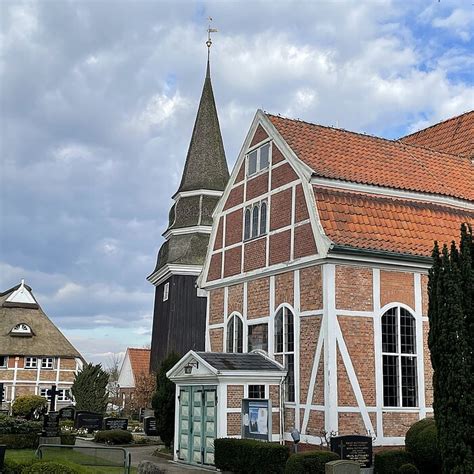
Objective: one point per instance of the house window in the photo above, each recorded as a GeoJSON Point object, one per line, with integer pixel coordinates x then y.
{"type": "Point", "coordinates": [31, 362]}
{"type": "Point", "coordinates": [258, 159]}
{"type": "Point", "coordinates": [258, 337]}
{"type": "Point", "coordinates": [256, 391]}
{"type": "Point", "coordinates": [285, 345]}
{"type": "Point", "coordinates": [235, 329]}
{"type": "Point", "coordinates": [399, 358]}
{"type": "Point", "coordinates": [255, 220]}
{"type": "Point", "coordinates": [166, 291]}
{"type": "Point", "coordinates": [3, 361]}
{"type": "Point", "coordinates": [47, 363]}
{"type": "Point", "coordinates": [63, 394]}
{"type": "Point", "coordinates": [21, 329]}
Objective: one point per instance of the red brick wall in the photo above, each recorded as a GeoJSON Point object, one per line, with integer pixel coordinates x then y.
{"type": "Point", "coordinates": [289, 418]}
{"type": "Point", "coordinates": [354, 288]}
{"type": "Point", "coordinates": [275, 395]}
{"type": "Point", "coordinates": [275, 423]}
{"type": "Point", "coordinates": [345, 394]}
{"type": "Point", "coordinates": [234, 426]}
{"type": "Point", "coordinates": [215, 267]}
{"type": "Point", "coordinates": [309, 334]}
{"type": "Point", "coordinates": [311, 289]}
{"type": "Point", "coordinates": [351, 423]}
{"type": "Point", "coordinates": [280, 247]}
{"type": "Point", "coordinates": [216, 306]}
{"type": "Point", "coordinates": [236, 197]}
{"type": "Point", "coordinates": [424, 295]}
{"type": "Point", "coordinates": [216, 337]}
{"type": "Point", "coordinates": [358, 333]}
{"type": "Point", "coordinates": [219, 235]}
{"type": "Point", "coordinates": [315, 423]}
{"type": "Point", "coordinates": [277, 155]}
{"type": "Point", "coordinates": [241, 174]}
{"type": "Point", "coordinates": [284, 288]}
{"type": "Point", "coordinates": [232, 261]}
{"type": "Point", "coordinates": [235, 301]}
{"type": "Point", "coordinates": [301, 210]}
{"type": "Point", "coordinates": [304, 241]}
{"type": "Point", "coordinates": [283, 174]}
{"type": "Point", "coordinates": [280, 209]}
{"type": "Point", "coordinates": [233, 227]}
{"type": "Point", "coordinates": [257, 186]}
{"type": "Point", "coordinates": [235, 393]}
{"type": "Point", "coordinates": [258, 294]}
{"type": "Point", "coordinates": [258, 136]}
{"type": "Point", "coordinates": [397, 287]}
{"type": "Point", "coordinates": [397, 424]}
{"type": "Point", "coordinates": [318, 395]}
{"type": "Point", "coordinates": [255, 254]}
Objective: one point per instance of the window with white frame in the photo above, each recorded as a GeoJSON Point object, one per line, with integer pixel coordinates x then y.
{"type": "Point", "coordinates": [285, 346]}
{"type": "Point", "coordinates": [63, 394]}
{"type": "Point", "coordinates": [166, 291]}
{"type": "Point", "coordinates": [21, 329]}
{"type": "Point", "coordinates": [255, 220]}
{"type": "Point", "coordinates": [258, 159]}
{"type": "Point", "coordinates": [3, 361]}
{"type": "Point", "coordinates": [399, 358]}
{"type": "Point", "coordinates": [258, 337]}
{"type": "Point", "coordinates": [31, 362]}
{"type": "Point", "coordinates": [47, 363]}
{"type": "Point", "coordinates": [235, 332]}
{"type": "Point", "coordinates": [256, 391]}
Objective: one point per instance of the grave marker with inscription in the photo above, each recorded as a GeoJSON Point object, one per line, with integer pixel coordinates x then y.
{"type": "Point", "coordinates": [354, 448]}
{"type": "Point", "coordinates": [51, 425]}
{"type": "Point", "coordinates": [67, 413]}
{"type": "Point", "coordinates": [88, 420]}
{"type": "Point", "coordinates": [149, 426]}
{"type": "Point", "coordinates": [115, 423]}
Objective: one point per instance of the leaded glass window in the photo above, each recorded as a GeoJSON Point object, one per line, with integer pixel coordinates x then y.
{"type": "Point", "coordinates": [285, 345]}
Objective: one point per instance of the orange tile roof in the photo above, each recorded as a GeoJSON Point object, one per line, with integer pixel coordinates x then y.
{"type": "Point", "coordinates": [349, 156]}
{"type": "Point", "coordinates": [455, 135]}
{"type": "Point", "coordinates": [139, 360]}
{"type": "Point", "coordinates": [372, 222]}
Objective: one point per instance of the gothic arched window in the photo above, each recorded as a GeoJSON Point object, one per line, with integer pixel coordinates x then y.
{"type": "Point", "coordinates": [247, 224]}
{"type": "Point", "coordinates": [285, 346]}
{"type": "Point", "coordinates": [255, 213]}
{"type": "Point", "coordinates": [263, 218]}
{"type": "Point", "coordinates": [235, 333]}
{"type": "Point", "coordinates": [399, 358]}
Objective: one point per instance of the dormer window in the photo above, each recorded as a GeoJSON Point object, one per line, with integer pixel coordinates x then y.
{"type": "Point", "coordinates": [21, 329]}
{"type": "Point", "coordinates": [258, 159]}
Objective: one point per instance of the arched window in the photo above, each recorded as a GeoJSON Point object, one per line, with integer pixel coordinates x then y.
{"type": "Point", "coordinates": [285, 345]}
{"type": "Point", "coordinates": [399, 358]}
{"type": "Point", "coordinates": [21, 329]}
{"type": "Point", "coordinates": [235, 331]}
{"type": "Point", "coordinates": [255, 220]}
{"type": "Point", "coordinates": [263, 218]}
{"type": "Point", "coordinates": [247, 224]}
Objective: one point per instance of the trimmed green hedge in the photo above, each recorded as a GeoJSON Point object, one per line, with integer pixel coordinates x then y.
{"type": "Point", "coordinates": [16, 467]}
{"type": "Point", "coordinates": [68, 439]}
{"type": "Point", "coordinates": [309, 462]}
{"type": "Point", "coordinates": [49, 467]}
{"type": "Point", "coordinates": [113, 437]}
{"type": "Point", "coordinates": [390, 461]}
{"type": "Point", "coordinates": [12, 425]}
{"type": "Point", "coordinates": [250, 456]}
{"type": "Point", "coordinates": [421, 442]}
{"type": "Point", "coordinates": [20, 441]}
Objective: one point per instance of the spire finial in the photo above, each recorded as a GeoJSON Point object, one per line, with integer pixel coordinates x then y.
{"type": "Point", "coordinates": [209, 44]}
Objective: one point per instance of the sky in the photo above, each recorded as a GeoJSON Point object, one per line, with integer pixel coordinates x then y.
{"type": "Point", "coordinates": [98, 100]}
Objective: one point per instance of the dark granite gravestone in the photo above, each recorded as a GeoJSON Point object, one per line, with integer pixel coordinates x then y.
{"type": "Point", "coordinates": [51, 425]}
{"type": "Point", "coordinates": [115, 423]}
{"type": "Point", "coordinates": [88, 420]}
{"type": "Point", "coordinates": [67, 413]}
{"type": "Point", "coordinates": [149, 426]}
{"type": "Point", "coordinates": [353, 448]}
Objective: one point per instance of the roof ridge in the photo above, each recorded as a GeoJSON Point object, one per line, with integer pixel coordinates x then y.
{"type": "Point", "coordinates": [368, 135]}
{"type": "Point", "coordinates": [438, 123]}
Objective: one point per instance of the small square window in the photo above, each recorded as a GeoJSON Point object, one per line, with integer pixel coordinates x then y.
{"type": "Point", "coordinates": [47, 363]}
{"type": "Point", "coordinates": [256, 391]}
{"type": "Point", "coordinates": [166, 291]}
{"type": "Point", "coordinates": [31, 363]}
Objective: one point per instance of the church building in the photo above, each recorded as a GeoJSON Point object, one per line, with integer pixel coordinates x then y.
{"type": "Point", "coordinates": [179, 303]}
{"type": "Point", "coordinates": [317, 273]}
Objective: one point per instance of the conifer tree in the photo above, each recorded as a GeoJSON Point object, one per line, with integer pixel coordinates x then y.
{"type": "Point", "coordinates": [450, 343]}
{"type": "Point", "coordinates": [90, 389]}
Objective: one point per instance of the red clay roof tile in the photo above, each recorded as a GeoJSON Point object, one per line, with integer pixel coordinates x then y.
{"type": "Point", "coordinates": [140, 360]}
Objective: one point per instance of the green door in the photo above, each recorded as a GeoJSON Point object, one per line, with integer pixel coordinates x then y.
{"type": "Point", "coordinates": [197, 424]}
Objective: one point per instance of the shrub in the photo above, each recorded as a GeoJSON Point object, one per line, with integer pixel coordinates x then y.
{"type": "Point", "coordinates": [249, 456]}
{"type": "Point", "coordinates": [113, 437]}
{"type": "Point", "coordinates": [11, 425]}
{"type": "Point", "coordinates": [408, 469]}
{"type": "Point", "coordinates": [49, 467]}
{"type": "Point", "coordinates": [13, 466]}
{"type": "Point", "coordinates": [26, 405]}
{"type": "Point", "coordinates": [68, 439]}
{"type": "Point", "coordinates": [20, 440]}
{"type": "Point", "coordinates": [422, 443]}
{"type": "Point", "coordinates": [309, 462]}
{"type": "Point", "coordinates": [389, 462]}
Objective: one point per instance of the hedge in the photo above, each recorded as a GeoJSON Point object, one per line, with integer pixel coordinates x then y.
{"type": "Point", "coordinates": [249, 456]}
{"type": "Point", "coordinates": [408, 469]}
{"type": "Point", "coordinates": [390, 462]}
{"type": "Point", "coordinates": [68, 439]}
{"type": "Point", "coordinates": [20, 441]}
{"type": "Point", "coordinates": [13, 466]}
{"type": "Point", "coordinates": [113, 437]}
{"type": "Point", "coordinates": [49, 467]}
{"type": "Point", "coordinates": [421, 442]}
{"type": "Point", "coordinates": [25, 405]}
{"type": "Point", "coordinates": [310, 462]}
{"type": "Point", "coordinates": [12, 425]}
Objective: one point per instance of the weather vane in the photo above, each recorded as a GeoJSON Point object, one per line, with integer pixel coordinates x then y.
{"type": "Point", "coordinates": [209, 31]}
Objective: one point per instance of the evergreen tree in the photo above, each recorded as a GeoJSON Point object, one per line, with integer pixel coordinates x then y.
{"type": "Point", "coordinates": [163, 401]}
{"type": "Point", "coordinates": [90, 389]}
{"type": "Point", "coordinates": [450, 316]}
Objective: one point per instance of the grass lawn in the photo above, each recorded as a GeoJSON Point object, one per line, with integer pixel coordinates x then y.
{"type": "Point", "coordinates": [84, 463]}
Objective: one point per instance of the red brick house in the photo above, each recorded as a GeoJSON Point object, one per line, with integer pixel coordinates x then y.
{"type": "Point", "coordinates": [318, 262]}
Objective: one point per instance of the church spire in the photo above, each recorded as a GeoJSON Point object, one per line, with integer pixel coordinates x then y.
{"type": "Point", "coordinates": [206, 166]}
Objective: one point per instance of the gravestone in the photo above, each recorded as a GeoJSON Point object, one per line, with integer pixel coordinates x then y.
{"type": "Point", "coordinates": [67, 413]}
{"type": "Point", "coordinates": [149, 426]}
{"type": "Point", "coordinates": [51, 425]}
{"type": "Point", "coordinates": [88, 420]}
{"type": "Point", "coordinates": [354, 448]}
{"type": "Point", "coordinates": [115, 423]}
{"type": "Point", "coordinates": [342, 467]}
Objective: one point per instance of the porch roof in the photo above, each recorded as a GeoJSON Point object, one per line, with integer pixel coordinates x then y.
{"type": "Point", "coordinates": [249, 362]}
